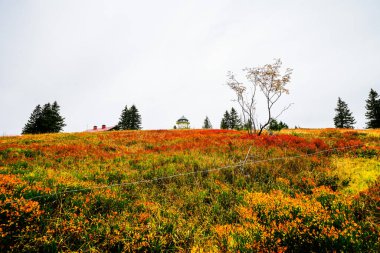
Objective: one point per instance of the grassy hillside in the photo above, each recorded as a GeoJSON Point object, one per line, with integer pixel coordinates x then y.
{"type": "Point", "coordinates": [187, 190]}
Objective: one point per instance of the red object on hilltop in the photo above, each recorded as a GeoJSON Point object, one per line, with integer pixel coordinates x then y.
{"type": "Point", "coordinates": [102, 129]}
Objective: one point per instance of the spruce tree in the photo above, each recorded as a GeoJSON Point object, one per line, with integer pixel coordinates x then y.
{"type": "Point", "coordinates": [234, 120]}
{"type": "Point", "coordinates": [31, 127]}
{"type": "Point", "coordinates": [207, 124]}
{"type": "Point", "coordinates": [135, 118]}
{"type": "Point", "coordinates": [124, 121]}
{"type": "Point", "coordinates": [224, 124]}
{"type": "Point", "coordinates": [373, 110]}
{"type": "Point", "coordinates": [274, 125]}
{"type": "Point", "coordinates": [282, 125]}
{"type": "Point", "coordinates": [45, 120]}
{"type": "Point", "coordinates": [58, 122]}
{"type": "Point", "coordinates": [343, 117]}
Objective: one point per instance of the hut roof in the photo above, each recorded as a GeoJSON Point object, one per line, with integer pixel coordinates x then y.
{"type": "Point", "coordinates": [183, 119]}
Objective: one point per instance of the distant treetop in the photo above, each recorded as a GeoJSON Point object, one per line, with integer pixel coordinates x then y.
{"type": "Point", "coordinates": [207, 123]}
{"type": "Point", "coordinates": [373, 110]}
{"type": "Point", "coordinates": [45, 120]}
{"type": "Point", "coordinates": [343, 117]}
{"type": "Point", "coordinates": [130, 119]}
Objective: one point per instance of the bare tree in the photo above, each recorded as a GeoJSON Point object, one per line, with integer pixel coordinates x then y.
{"type": "Point", "coordinates": [270, 82]}
{"type": "Point", "coordinates": [246, 100]}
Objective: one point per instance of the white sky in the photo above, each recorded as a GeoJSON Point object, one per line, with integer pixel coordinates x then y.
{"type": "Point", "coordinates": [170, 58]}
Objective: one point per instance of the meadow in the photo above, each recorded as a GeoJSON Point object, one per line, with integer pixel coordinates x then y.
{"type": "Point", "coordinates": [191, 191]}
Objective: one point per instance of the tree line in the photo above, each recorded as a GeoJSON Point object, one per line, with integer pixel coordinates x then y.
{"type": "Point", "coordinates": [270, 83]}
{"type": "Point", "coordinates": [231, 120]}
{"type": "Point", "coordinates": [47, 119]}
{"type": "Point", "coordinates": [343, 117]}
{"type": "Point", "coordinates": [267, 81]}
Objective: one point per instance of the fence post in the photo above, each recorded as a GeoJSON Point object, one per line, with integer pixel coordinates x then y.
{"type": "Point", "coordinates": [245, 160]}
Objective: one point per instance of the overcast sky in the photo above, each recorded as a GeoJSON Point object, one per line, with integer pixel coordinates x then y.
{"type": "Point", "coordinates": [170, 58]}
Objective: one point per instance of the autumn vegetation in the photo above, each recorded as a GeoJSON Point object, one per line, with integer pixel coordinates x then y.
{"type": "Point", "coordinates": [124, 191]}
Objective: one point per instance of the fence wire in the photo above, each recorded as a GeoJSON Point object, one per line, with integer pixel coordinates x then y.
{"type": "Point", "coordinates": [237, 165]}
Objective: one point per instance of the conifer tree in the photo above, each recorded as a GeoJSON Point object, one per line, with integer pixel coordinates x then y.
{"type": "Point", "coordinates": [124, 121]}
{"type": "Point", "coordinates": [31, 127]}
{"type": "Point", "coordinates": [134, 118]}
{"type": "Point", "coordinates": [274, 125]}
{"type": "Point", "coordinates": [44, 120]}
{"type": "Point", "coordinates": [373, 110]}
{"type": "Point", "coordinates": [57, 120]}
{"type": "Point", "coordinates": [224, 124]}
{"type": "Point", "coordinates": [234, 120]}
{"type": "Point", "coordinates": [343, 117]}
{"type": "Point", "coordinates": [282, 125]}
{"type": "Point", "coordinates": [207, 124]}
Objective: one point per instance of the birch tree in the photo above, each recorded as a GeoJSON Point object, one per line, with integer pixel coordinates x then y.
{"type": "Point", "coordinates": [270, 84]}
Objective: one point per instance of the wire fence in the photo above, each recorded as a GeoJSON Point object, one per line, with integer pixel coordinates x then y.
{"type": "Point", "coordinates": [237, 165]}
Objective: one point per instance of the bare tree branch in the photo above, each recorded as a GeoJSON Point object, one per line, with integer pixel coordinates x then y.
{"type": "Point", "coordinates": [272, 86]}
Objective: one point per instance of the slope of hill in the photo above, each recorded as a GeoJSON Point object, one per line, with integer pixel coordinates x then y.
{"type": "Point", "coordinates": [191, 190]}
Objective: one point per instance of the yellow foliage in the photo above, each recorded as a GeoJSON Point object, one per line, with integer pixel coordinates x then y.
{"type": "Point", "coordinates": [360, 173]}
